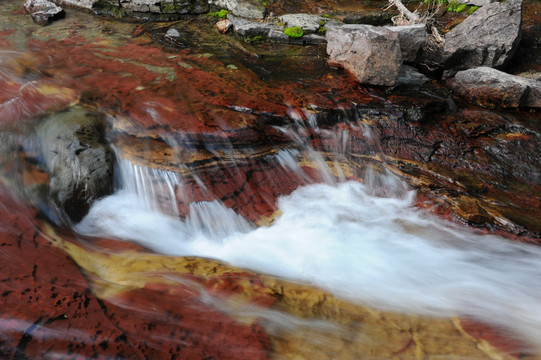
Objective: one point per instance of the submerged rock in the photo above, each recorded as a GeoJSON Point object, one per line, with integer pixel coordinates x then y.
{"type": "Point", "coordinates": [490, 87]}
{"type": "Point", "coordinates": [369, 53]}
{"type": "Point", "coordinates": [78, 160]}
{"type": "Point", "coordinates": [488, 37]}
{"type": "Point", "coordinates": [43, 12]}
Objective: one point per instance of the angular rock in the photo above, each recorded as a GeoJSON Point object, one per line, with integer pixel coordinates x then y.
{"type": "Point", "coordinates": [43, 12]}
{"type": "Point", "coordinates": [307, 22]}
{"type": "Point", "coordinates": [78, 160]}
{"type": "Point", "coordinates": [488, 37]}
{"type": "Point", "coordinates": [411, 38]}
{"type": "Point", "coordinates": [224, 25]}
{"type": "Point", "coordinates": [247, 28]}
{"type": "Point", "coordinates": [369, 53]}
{"type": "Point", "coordinates": [242, 8]}
{"type": "Point", "coordinates": [490, 87]}
{"type": "Point", "coordinates": [85, 4]}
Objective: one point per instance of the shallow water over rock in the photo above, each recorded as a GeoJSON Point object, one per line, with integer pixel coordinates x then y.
{"type": "Point", "coordinates": [264, 205]}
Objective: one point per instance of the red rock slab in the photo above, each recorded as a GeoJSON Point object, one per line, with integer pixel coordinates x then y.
{"type": "Point", "coordinates": [47, 309]}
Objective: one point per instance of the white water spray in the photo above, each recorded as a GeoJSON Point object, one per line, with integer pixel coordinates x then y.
{"type": "Point", "coordinates": [379, 251]}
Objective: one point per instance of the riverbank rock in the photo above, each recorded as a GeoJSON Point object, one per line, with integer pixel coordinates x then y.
{"type": "Point", "coordinates": [78, 160]}
{"type": "Point", "coordinates": [43, 12]}
{"type": "Point", "coordinates": [488, 37]}
{"type": "Point", "coordinates": [307, 22]}
{"type": "Point", "coordinates": [369, 53]}
{"type": "Point", "coordinates": [242, 8]}
{"type": "Point", "coordinates": [490, 87]}
{"type": "Point", "coordinates": [411, 38]}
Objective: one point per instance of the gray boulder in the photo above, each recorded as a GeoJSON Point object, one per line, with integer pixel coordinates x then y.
{"type": "Point", "coordinates": [493, 88]}
{"type": "Point", "coordinates": [85, 4]}
{"type": "Point", "coordinates": [307, 22]}
{"type": "Point", "coordinates": [43, 12]}
{"type": "Point", "coordinates": [247, 28]}
{"type": "Point", "coordinates": [488, 37]}
{"type": "Point", "coordinates": [411, 38]}
{"type": "Point", "coordinates": [78, 160]}
{"type": "Point", "coordinates": [242, 8]}
{"type": "Point", "coordinates": [371, 54]}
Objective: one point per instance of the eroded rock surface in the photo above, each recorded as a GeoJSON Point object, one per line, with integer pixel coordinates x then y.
{"type": "Point", "coordinates": [78, 159]}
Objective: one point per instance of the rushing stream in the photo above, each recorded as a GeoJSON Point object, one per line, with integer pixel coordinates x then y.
{"type": "Point", "coordinates": [253, 216]}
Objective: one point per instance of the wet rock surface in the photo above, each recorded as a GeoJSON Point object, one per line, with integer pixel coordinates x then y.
{"type": "Point", "coordinates": [78, 160]}
{"type": "Point", "coordinates": [490, 87]}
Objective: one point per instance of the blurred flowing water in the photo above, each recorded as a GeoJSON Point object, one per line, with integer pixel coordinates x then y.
{"type": "Point", "coordinates": [354, 233]}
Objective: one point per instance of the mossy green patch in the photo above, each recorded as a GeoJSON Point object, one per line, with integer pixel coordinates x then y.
{"type": "Point", "coordinates": [455, 6]}
{"type": "Point", "coordinates": [222, 14]}
{"type": "Point", "coordinates": [294, 32]}
{"type": "Point", "coordinates": [322, 30]}
{"type": "Point", "coordinates": [170, 7]}
{"type": "Point", "coordinates": [472, 9]}
{"type": "Point", "coordinates": [253, 39]}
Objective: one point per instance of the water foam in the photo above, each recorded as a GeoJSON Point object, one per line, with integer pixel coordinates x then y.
{"type": "Point", "coordinates": [373, 250]}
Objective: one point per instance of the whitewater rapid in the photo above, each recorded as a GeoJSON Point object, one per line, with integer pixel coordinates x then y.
{"type": "Point", "coordinates": [379, 251]}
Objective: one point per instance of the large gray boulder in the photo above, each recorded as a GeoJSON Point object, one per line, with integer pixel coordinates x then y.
{"type": "Point", "coordinates": [247, 28]}
{"type": "Point", "coordinates": [43, 12]}
{"type": "Point", "coordinates": [371, 54]}
{"type": "Point", "coordinates": [490, 87]}
{"type": "Point", "coordinates": [85, 4]}
{"type": "Point", "coordinates": [307, 22]}
{"type": "Point", "coordinates": [488, 37]}
{"type": "Point", "coordinates": [243, 8]}
{"type": "Point", "coordinates": [411, 38]}
{"type": "Point", "coordinates": [78, 160]}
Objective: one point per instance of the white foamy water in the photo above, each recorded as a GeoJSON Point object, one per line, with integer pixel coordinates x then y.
{"type": "Point", "coordinates": [379, 251]}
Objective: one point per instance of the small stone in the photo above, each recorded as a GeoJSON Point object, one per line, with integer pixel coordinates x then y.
{"type": "Point", "coordinates": [172, 33]}
{"type": "Point", "coordinates": [224, 25]}
{"type": "Point", "coordinates": [43, 12]}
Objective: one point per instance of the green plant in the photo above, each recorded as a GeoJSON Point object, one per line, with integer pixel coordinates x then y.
{"type": "Point", "coordinates": [294, 32]}
{"type": "Point", "coordinates": [326, 16]}
{"type": "Point", "coordinates": [322, 23]}
{"type": "Point", "coordinates": [170, 8]}
{"type": "Point", "coordinates": [252, 39]}
{"type": "Point", "coordinates": [222, 14]}
{"type": "Point", "coordinates": [322, 30]}
{"type": "Point", "coordinates": [455, 6]}
{"type": "Point", "coordinates": [472, 9]}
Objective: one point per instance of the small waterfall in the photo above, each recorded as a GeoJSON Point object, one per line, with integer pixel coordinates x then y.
{"type": "Point", "coordinates": [364, 242]}
{"type": "Point", "coordinates": [155, 187]}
